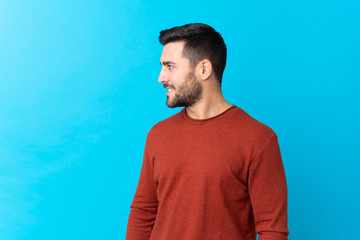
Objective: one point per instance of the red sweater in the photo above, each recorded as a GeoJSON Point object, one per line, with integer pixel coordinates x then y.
{"type": "Point", "coordinates": [217, 178]}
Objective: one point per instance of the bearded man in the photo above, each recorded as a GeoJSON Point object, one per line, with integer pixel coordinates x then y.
{"type": "Point", "coordinates": [211, 171]}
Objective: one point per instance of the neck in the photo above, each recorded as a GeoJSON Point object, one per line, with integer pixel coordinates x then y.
{"type": "Point", "coordinates": [211, 104]}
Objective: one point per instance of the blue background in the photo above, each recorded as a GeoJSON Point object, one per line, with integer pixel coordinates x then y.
{"type": "Point", "coordinates": [79, 92]}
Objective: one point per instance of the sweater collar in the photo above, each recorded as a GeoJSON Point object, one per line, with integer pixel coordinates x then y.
{"type": "Point", "coordinates": [206, 121]}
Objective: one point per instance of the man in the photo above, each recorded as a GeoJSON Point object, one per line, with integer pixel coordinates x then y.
{"type": "Point", "coordinates": [210, 171]}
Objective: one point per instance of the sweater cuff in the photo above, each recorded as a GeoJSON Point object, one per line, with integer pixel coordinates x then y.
{"type": "Point", "coordinates": [272, 236]}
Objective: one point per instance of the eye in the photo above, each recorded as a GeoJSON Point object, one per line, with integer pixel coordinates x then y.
{"type": "Point", "coordinates": [170, 66]}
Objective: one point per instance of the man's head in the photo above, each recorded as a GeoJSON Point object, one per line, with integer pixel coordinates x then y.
{"type": "Point", "coordinates": [185, 48]}
{"type": "Point", "coordinates": [201, 42]}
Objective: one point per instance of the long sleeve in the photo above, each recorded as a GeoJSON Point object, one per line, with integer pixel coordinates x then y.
{"type": "Point", "coordinates": [217, 178]}
{"type": "Point", "coordinates": [144, 206]}
{"type": "Point", "coordinates": [268, 193]}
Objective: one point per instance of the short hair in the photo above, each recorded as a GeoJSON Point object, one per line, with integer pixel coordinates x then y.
{"type": "Point", "coordinates": [201, 42]}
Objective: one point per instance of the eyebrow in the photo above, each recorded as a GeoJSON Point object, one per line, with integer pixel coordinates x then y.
{"type": "Point", "coordinates": [167, 63]}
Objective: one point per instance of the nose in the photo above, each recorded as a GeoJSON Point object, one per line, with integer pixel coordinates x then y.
{"type": "Point", "coordinates": [163, 76]}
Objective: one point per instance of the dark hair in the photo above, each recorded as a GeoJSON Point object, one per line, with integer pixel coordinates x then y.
{"type": "Point", "coordinates": [201, 41]}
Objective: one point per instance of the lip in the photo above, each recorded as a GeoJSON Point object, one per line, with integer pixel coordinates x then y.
{"type": "Point", "coordinates": [170, 90]}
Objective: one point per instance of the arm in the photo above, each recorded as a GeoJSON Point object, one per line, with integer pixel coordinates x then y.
{"type": "Point", "coordinates": [268, 193]}
{"type": "Point", "coordinates": [144, 206]}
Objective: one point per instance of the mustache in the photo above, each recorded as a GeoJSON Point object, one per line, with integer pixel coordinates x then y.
{"type": "Point", "coordinates": [168, 85]}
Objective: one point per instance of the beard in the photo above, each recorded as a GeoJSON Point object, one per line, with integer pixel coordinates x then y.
{"type": "Point", "coordinates": [187, 94]}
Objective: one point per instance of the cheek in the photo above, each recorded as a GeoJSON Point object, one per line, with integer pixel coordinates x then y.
{"type": "Point", "coordinates": [180, 78]}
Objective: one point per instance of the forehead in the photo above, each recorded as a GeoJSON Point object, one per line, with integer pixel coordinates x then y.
{"type": "Point", "coordinates": [173, 52]}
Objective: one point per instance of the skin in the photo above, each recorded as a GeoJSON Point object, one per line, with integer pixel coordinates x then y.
{"type": "Point", "coordinates": [179, 77]}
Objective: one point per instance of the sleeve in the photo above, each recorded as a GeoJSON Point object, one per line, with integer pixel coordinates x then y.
{"type": "Point", "coordinates": [268, 193]}
{"type": "Point", "coordinates": [144, 206]}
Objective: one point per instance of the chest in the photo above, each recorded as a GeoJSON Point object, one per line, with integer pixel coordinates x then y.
{"type": "Point", "coordinates": [201, 156]}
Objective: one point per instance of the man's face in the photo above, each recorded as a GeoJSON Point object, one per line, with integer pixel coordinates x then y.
{"type": "Point", "coordinates": [184, 89]}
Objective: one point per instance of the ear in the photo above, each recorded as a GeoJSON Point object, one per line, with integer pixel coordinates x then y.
{"type": "Point", "coordinates": [204, 69]}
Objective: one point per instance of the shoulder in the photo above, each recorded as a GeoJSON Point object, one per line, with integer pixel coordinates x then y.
{"type": "Point", "coordinates": [165, 125]}
{"type": "Point", "coordinates": [249, 127]}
